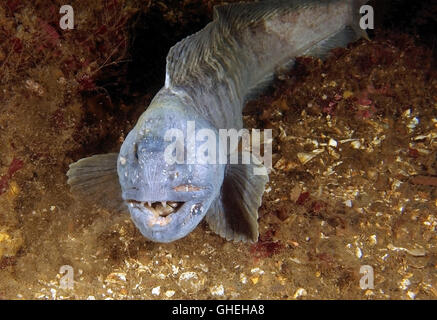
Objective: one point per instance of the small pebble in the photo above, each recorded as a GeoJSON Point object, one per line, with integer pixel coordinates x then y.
{"type": "Point", "coordinates": [218, 290]}
{"type": "Point", "coordinates": [358, 253]}
{"type": "Point", "coordinates": [301, 292]}
{"type": "Point", "coordinates": [169, 293]}
{"type": "Point", "coordinates": [156, 291]}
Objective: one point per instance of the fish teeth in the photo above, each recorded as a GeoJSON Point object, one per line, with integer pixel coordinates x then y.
{"type": "Point", "coordinates": [164, 203]}
{"type": "Point", "coordinates": [173, 204]}
{"type": "Point", "coordinates": [166, 211]}
{"type": "Point", "coordinates": [149, 203]}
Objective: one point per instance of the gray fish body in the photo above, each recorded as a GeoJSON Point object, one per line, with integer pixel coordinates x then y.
{"type": "Point", "coordinates": [209, 76]}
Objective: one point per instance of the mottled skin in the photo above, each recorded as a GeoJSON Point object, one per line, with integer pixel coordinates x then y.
{"type": "Point", "coordinates": [209, 77]}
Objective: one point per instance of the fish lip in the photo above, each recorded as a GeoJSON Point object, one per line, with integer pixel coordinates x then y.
{"type": "Point", "coordinates": [169, 228]}
{"type": "Point", "coordinates": [174, 226]}
{"type": "Point", "coordinates": [156, 221]}
{"type": "Point", "coordinates": [137, 194]}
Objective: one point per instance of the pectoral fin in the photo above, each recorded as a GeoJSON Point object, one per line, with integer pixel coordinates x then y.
{"type": "Point", "coordinates": [95, 179]}
{"type": "Point", "coordinates": [234, 214]}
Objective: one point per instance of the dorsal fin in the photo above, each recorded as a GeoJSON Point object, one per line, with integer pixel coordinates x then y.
{"type": "Point", "coordinates": [217, 68]}
{"type": "Point", "coordinates": [236, 15]}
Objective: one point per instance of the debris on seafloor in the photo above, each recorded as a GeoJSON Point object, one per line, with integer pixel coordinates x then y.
{"type": "Point", "coordinates": [11, 241]}
{"type": "Point", "coordinates": [15, 165]}
{"type": "Point", "coordinates": [424, 180]}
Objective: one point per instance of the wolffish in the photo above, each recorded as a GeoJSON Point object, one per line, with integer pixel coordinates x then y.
{"type": "Point", "coordinates": [209, 77]}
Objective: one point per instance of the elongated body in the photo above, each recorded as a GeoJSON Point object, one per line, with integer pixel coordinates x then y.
{"type": "Point", "coordinates": [209, 76]}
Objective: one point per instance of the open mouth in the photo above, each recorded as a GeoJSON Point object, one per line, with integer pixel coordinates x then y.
{"type": "Point", "coordinates": [165, 221]}
{"type": "Point", "coordinates": [160, 208]}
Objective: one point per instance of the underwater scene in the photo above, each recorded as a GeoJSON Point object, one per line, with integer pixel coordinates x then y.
{"type": "Point", "coordinates": [337, 198]}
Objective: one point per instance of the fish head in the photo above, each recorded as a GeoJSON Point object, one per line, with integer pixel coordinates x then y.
{"type": "Point", "coordinates": [166, 199]}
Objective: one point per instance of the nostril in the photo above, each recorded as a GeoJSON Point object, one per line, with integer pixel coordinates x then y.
{"type": "Point", "coordinates": [136, 151]}
{"type": "Point", "coordinates": [174, 175]}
